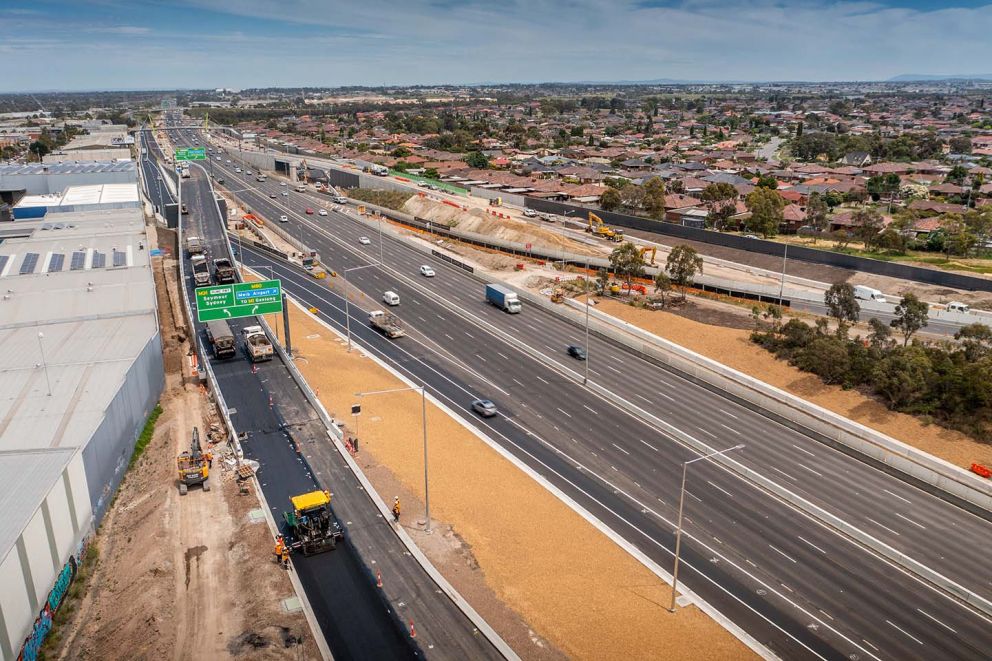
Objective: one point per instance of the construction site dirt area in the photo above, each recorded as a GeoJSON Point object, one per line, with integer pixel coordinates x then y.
{"type": "Point", "coordinates": [498, 533]}
{"type": "Point", "coordinates": [184, 577]}
{"type": "Point", "coordinates": [733, 348]}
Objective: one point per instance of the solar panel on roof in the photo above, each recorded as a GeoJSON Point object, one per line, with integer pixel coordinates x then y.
{"type": "Point", "coordinates": [120, 258]}
{"type": "Point", "coordinates": [30, 261]}
{"type": "Point", "coordinates": [99, 259]}
{"type": "Point", "coordinates": [56, 263]}
{"type": "Point", "coordinates": [78, 260]}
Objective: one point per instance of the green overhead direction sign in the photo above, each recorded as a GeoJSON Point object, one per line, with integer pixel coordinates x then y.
{"type": "Point", "coordinates": [241, 299]}
{"type": "Point", "coordinates": [192, 154]}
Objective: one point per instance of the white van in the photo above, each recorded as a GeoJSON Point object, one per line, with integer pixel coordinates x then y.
{"type": "Point", "coordinates": [957, 306]}
{"type": "Point", "coordinates": [390, 298]}
{"type": "Point", "coordinates": [868, 294]}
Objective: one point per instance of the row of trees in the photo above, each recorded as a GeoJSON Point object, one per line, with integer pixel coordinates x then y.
{"type": "Point", "coordinates": [681, 267]}
{"type": "Point", "coordinates": [951, 383]}
{"type": "Point", "coordinates": [811, 145]}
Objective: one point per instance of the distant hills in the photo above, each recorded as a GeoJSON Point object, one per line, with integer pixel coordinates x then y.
{"type": "Point", "coordinates": [923, 77]}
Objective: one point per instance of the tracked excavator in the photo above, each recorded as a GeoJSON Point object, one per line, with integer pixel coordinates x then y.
{"type": "Point", "coordinates": [193, 465]}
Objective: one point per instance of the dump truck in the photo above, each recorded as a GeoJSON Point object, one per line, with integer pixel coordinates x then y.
{"type": "Point", "coordinates": [223, 270]}
{"type": "Point", "coordinates": [221, 339]}
{"type": "Point", "coordinates": [201, 271]}
{"type": "Point", "coordinates": [311, 527]}
{"type": "Point", "coordinates": [194, 246]}
{"type": "Point", "coordinates": [193, 466]}
{"type": "Point", "coordinates": [503, 297]}
{"type": "Point", "coordinates": [386, 323]}
{"type": "Point", "coordinates": [257, 345]}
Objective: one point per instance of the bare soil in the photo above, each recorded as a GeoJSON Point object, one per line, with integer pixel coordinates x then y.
{"type": "Point", "coordinates": [184, 577]}
{"type": "Point", "coordinates": [732, 347]}
{"type": "Point", "coordinates": [499, 535]}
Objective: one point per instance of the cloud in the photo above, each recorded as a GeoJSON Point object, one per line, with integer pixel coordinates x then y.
{"type": "Point", "coordinates": [127, 30]}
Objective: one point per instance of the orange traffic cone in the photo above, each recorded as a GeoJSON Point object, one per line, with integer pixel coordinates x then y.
{"type": "Point", "coordinates": [413, 631]}
{"type": "Point", "coordinates": [378, 578]}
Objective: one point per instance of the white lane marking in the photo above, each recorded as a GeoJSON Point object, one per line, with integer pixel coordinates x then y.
{"type": "Point", "coordinates": [518, 383]}
{"type": "Point", "coordinates": [439, 316]}
{"type": "Point", "coordinates": [610, 367]}
{"type": "Point", "coordinates": [870, 645]}
{"type": "Point", "coordinates": [825, 613]}
{"type": "Point", "coordinates": [541, 380]}
{"type": "Point", "coordinates": [481, 358]}
{"type": "Point", "coordinates": [935, 620]}
{"type": "Point", "coordinates": [589, 409]}
{"type": "Point", "coordinates": [881, 526]}
{"type": "Point", "coordinates": [689, 493]}
{"type": "Point", "coordinates": [730, 414]}
{"type": "Point", "coordinates": [421, 318]}
{"type": "Point", "coordinates": [619, 448]}
{"type": "Point", "coordinates": [668, 397]}
{"type": "Point", "coordinates": [449, 337]}
{"type": "Point", "coordinates": [906, 518]}
{"type": "Point", "coordinates": [643, 398]}
{"type": "Point", "coordinates": [730, 428]}
{"type": "Point", "coordinates": [716, 486]}
{"type": "Point", "coordinates": [813, 545]}
{"type": "Point", "coordinates": [470, 335]}
{"type": "Point", "coordinates": [565, 412]}
{"type": "Point", "coordinates": [909, 635]}
{"type": "Point", "coordinates": [783, 473]}
{"type": "Point", "coordinates": [503, 356]}
{"type": "Point", "coordinates": [802, 450]}
{"type": "Point", "coordinates": [648, 444]}
{"type": "Point", "coordinates": [804, 466]}
{"type": "Point", "coordinates": [783, 554]}
{"type": "Point", "coordinates": [905, 500]}
{"type": "Point", "coordinates": [707, 432]}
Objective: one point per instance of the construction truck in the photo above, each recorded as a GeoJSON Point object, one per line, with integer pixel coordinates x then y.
{"type": "Point", "coordinates": [194, 246]}
{"type": "Point", "coordinates": [224, 270]}
{"type": "Point", "coordinates": [257, 344]}
{"type": "Point", "coordinates": [653, 251]}
{"type": "Point", "coordinates": [386, 323]}
{"type": "Point", "coordinates": [193, 465]}
{"type": "Point", "coordinates": [201, 271]}
{"type": "Point", "coordinates": [311, 527]}
{"type": "Point", "coordinates": [598, 228]}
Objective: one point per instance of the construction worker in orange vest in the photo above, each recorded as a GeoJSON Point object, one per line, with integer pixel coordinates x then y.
{"type": "Point", "coordinates": [285, 557]}
{"type": "Point", "coordinates": [396, 509]}
{"type": "Point", "coordinates": [280, 547]}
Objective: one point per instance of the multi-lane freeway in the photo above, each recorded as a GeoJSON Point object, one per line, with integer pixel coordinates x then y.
{"type": "Point", "coordinates": [793, 584]}
{"type": "Point", "coordinates": [285, 435]}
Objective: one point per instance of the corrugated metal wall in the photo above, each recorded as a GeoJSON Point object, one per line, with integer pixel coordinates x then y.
{"type": "Point", "coordinates": [109, 450]}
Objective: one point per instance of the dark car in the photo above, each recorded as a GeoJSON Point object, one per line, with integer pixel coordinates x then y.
{"type": "Point", "coordinates": [577, 352]}
{"type": "Point", "coordinates": [484, 407]}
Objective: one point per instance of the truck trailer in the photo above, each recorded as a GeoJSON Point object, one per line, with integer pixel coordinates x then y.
{"type": "Point", "coordinates": [221, 339]}
{"type": "Point", "coordinates": [503, 297]}
{"type": "Point", "coordinates": [386, 323]}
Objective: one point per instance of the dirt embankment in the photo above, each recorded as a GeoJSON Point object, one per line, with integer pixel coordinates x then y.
{"type": "Point", "coordinates": [547, 580]}
{"type": "Point", "coordinates": [733, 348]}
{"type": "Point", "coordinates": [184, 577]}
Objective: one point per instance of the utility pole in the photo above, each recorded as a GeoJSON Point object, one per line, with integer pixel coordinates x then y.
{"type": "Point", "coordinates": [781, 288]}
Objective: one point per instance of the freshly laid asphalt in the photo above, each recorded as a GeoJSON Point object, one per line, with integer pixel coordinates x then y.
{"type": "Point", "coordinates": [792, 584]}
{"type": "Point", "coordinates": [284, 434]}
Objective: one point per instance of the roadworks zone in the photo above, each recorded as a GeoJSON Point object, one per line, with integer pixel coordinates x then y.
{"type": "Point", "coordinates": [570, 583]}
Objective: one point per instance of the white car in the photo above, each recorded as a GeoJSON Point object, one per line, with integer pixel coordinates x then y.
{"type": "Point", "coordinates": [283, 219]}
{"type": "Point", "coordinates": [530, 213]}
{"type": "Point", "coordinates": [236, 169]}
{"type": "Point", "coordinates": [283, 183]}
{"type": "Point", "coordinates": [426, 271]}
{"type": "Point", "coordinates": [364, 240]}
{"type": "Point", "coordinates": [322, 212]}
{"type": "Point", "coordinates": [228, 161]}
{"type": "Point", "coordinates": [285, 193]}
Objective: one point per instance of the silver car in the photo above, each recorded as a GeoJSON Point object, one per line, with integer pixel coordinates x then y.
{"type": "Point", "coordinates": [484, 407]}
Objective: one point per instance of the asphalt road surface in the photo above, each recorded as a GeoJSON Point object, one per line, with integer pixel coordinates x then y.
{"type": "Point", "coordinates": [358, 619]}
{"type": "Point", "coordinates": [794, 585]}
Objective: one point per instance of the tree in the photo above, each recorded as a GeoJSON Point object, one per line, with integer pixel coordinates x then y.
{"type": "Point", "coordinates": [654, 197]}
{"type": "Point", "coordinates": [976, 341]}
{"type": "Point", "coordinates": [432, 173]}
{"type": "Point", "coordinates": [602, 279]}
{"type": "Point", "coordinates": [911, 316]}
{"type": "Point", "coordinates": [39, 149]}
{"type": "Point", "coordinates": [627, 263]}
{"type": "Point", "coordinates": [682, 266]}
{"type": "Point", "coordinates": [816, 212]}
{"type": "Point", "coordinates": [610, 200]}
{"type": "Point", "coordinates": [662, 286]}
{"type": "Point", "coordinates": [842, 305]}
{"type": "Point", "coordinates": [718, 193]}
{"type": "Point", "coordinates": [868, 223]}
{"type": "Point", "coordinates": [960, 144]}
{"type": "Point", "coordinates": [477, 159]}
{"type": "Point", "coordinates": [880, 336]}
{"type": "Point", "coordinates": [401, 152]}
{"type": "Point", "coordinates": [903, 376]}
{"type": "Point", "coordinates": [826, 357]}
{"type": "Point", "coordinates": [956, 175]}
{"type": "Point", "coordinates": [767, 181]}
{"type": "Point", "coordinates": [766, 207]}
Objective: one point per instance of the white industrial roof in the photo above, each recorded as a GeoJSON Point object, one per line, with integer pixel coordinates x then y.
{"type": "Point", "coordinates": [83, 195]}
{"type": "Point", "coordinates": [25, 480]}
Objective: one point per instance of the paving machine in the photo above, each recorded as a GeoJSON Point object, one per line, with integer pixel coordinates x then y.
{"type": "Point", "coordinates": [193, 465]}
{"type": "Point", "coordinates": [311, 527]}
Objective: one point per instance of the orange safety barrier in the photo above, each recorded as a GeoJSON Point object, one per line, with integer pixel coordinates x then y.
{"type": "Point", "coordinates": [401, 179]}
{"type": "Point", "coordinates": [451, 204]}
{"type": "Point", "coordinates": [978, 469]}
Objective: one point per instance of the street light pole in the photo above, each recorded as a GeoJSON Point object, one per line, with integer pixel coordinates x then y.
{"type": "Point", "coordinates": [423, 412]}
{"type": "Point", "coordinates": [585, 379]}
{"type": "Point", "coordinates": [347, 308]}
{"type": "Point", "coordinates": [781, 288]}
{"type": "Point", "coordinates": [678, 530]}
{"type": "Point", "coordinates": [564, 217]}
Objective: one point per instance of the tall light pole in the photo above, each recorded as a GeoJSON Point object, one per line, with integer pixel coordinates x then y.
{"type": "Point", "coordinates": [564, 219]}
{"type": "Point", "coordinates": [585, 379]}
{"type": "Point", "coordinates": [423, 413]}
{"type": "Point", "coordinates": [44, 363]}
{"type": "Point", "coordinates": [678, 530]}
{"type": "Point", "coordinates": [781, 288]}
{"type": "Point", "coordinates": [347, 310]}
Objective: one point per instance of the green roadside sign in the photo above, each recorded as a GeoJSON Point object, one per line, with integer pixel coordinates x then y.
{"type": "Point", "coordinates": [198, 154]}
{"type": "Point", "coordinates": [240, 299]}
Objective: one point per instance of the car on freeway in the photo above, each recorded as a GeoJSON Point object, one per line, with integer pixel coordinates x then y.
{"type": "Point", "coordinates": [283, 183]}
{"type": "Point", "coordinates": [322, 212]}
{"type": "Point", "coordinates": [285, 193]}
{"type": "Point", "coordinates": [236, 169]}
{"type": "Point", "coordinates": [248, 172]}
{"type": "Point", "coordinates": [426, 271]}
{"type": "Point", "coordinates": [218, 158]}
{"type": "Point", "coordinates": [309, 211]}
{"type": "Point", "coordinates": [272, 195]}
{"type": "Point", "coordinates": [530, 213]}
{"type": "Point", "coordinates": [750, 236]}
{"type": "Point", "coordinates": [577, 352]}
{"type": "Point", "coordinates": [484, 407]}
{"type": "Point", "coordinates": [228, 161]}
{"type": "Point", "coordinates": [364, 240]}
{"type": "Point", "coordinates": [220, 181]}
{"type": "Point", "coordinates": [284, 218]}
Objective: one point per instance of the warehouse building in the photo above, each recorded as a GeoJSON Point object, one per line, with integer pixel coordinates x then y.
{"type": "Point", "coordinates": [80, 371]}
{"type": "Point", "coordinates": [49, 178]}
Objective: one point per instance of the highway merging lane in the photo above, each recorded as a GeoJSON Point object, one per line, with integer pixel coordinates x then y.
{"type": "Point", "coordinates": [825, 575]}
{"type": "Point", "coordinates": [285, 435]}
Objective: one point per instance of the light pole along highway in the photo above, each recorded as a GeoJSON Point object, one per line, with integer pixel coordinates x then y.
{"type": "Point", "coordinates": [423, 413]}
{"type": "Point", "coordinates": [347, 307]}
{"type": "Point", "coordinates": [678, 529]}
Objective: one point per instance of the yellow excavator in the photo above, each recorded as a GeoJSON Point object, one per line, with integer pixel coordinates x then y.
{"type": "Point", "coordinates": [194, 466]}
{"type": "Point", "coordinates": [654, 253]}
{"type": "Point", "coordinates": [598, 228]}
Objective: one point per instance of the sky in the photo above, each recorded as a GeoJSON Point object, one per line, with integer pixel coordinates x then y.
{"type": "Point", "coordinates": [155, 44]}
